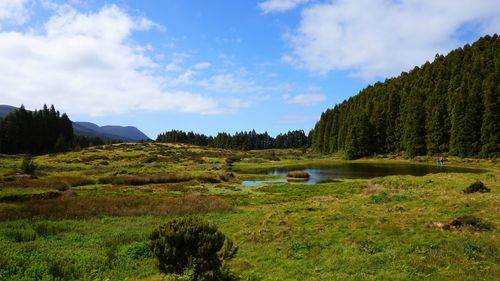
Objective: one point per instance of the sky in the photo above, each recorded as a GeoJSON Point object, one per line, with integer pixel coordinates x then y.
{"type": "Point", "coordinates": [220, 65]}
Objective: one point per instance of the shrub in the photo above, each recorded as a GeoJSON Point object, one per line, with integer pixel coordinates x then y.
{"type": "Point", "coordinates": [478, 186]}
{"type": "Point", "coordinates": [470, 222]}
{"type": "Point", "coordinates": [28, 166]}
{"type": "Point", "coordinates": [190, 243]}
{"type": "Point", "coordinates": [232, 159]}
{"type": "Point", "coordinates": [380, 198]}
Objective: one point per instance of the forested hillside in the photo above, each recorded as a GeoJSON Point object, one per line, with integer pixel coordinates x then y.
{"type": "Point", "coordinates": [36, 132]}
{"type": "Point", "coordinates": [451, 105]}
{"type": "Point", "coordinates": [241, 140]}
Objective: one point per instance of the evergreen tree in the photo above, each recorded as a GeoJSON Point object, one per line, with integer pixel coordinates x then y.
{"type": "Point", "coordinates": [490, 130]}
{"type": "Point", "coordinates": [448, 106]}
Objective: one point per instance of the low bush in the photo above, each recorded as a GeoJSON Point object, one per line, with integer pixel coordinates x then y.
{"type": "Point", "coordinates": [298, 174]}
{"type": "Point", "coordinates": [470, 222]}
{"type": "Point", "coordinates": [232, 159]}
{"type": "Point", "coordinates": [477, 186]}
{"type": "Point", "coordinates": [191, 244]}
{"type": "Point", "coordinates": [28, 166]}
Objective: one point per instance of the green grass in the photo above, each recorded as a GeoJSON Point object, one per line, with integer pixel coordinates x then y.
{"type": "Point", "coordinates": [388, 228]}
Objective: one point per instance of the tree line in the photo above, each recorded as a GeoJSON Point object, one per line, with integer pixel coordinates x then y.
{"type": "Point", "coordinates": [35, 132]}
{"type": "Point", "coordinates": [241, 140]}
{"type": "Point", "coordinates": [451, 105]}
{"type": "Point", "coordinates": [39, 132]}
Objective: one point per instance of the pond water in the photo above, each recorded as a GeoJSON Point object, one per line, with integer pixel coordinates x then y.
{"type": "Point", "coordinates": [327, 173]}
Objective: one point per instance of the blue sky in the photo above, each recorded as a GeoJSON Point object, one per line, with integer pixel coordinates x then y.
{"type": "Point", "coordinates": [221, 65]}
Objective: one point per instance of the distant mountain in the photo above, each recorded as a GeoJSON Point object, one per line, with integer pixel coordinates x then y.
{"type": "Point", "coordinates": [6, 109]}
{"type": "Point", "coordinates": [127, 133]}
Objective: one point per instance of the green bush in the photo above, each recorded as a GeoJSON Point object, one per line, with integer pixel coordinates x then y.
{"type": "Point", "coordinates": [477, 186]}
{"type": "Point", "coordinates": [28, 166]}
{"type": "Point", "coordinates": [191, 244]}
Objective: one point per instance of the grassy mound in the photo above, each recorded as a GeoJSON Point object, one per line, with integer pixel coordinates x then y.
{"type": "Point", "coordinates": [298, 174]}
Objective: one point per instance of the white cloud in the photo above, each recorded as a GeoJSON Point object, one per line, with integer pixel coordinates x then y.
{"type": "Point", "coordinates": [86, 63]}
{"type": "Point", "coordinates": [202, 66]}
{"type": "Point", "coordinates": [279, 5]}
{"type": "Point", "coordinates": [304, 99]}
{"type": "Point", "coordinates": [183, 79]}
{"type": "Point", "coordinates": [172, 67]}
{"type": "Point", "coordinates": [376, 38]}
{"type": "Point", "coordinates": [13, 11]}
{"type": "Point", "coordinates": [229, 83]}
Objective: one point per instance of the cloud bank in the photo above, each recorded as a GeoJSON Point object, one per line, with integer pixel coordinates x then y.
{"type": "Point", "coordinates": [380, 38]}
{"type": "Point", "coordinates": [87, 63]}
{"type": "Point", "coordinates": [13, 12]}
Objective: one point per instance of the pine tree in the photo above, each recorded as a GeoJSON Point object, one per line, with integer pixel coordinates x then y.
{"type": "Point", "coordinates": [490, 130]}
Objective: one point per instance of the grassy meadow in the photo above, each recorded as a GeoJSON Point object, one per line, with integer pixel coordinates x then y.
{"type": "Point", "coordinates": [87, 215]}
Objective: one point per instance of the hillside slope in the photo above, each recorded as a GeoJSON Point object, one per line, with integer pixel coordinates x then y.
{"type": "Point", "coordinates": [451, 105]}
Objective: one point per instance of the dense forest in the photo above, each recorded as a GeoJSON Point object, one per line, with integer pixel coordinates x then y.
{"type": "Point", "coordinates": [35, 132]}
{"type": "Point", "coordinates": [39, 132]}
{"type": "Point", "coordinates": [241, 140]}
{"type": "Point", "coordinates": [449, 106]}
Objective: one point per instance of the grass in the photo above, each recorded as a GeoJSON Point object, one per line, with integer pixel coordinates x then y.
{"type": "Point", "coordinates": [388, 228]}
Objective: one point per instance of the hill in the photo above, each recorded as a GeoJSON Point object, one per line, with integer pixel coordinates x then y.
{"type": "Point", "coordinates": [122, 133]}
{"type": "Point", "coordinates": [6, 109]}
{"type": "Point", "coordinates": [451, 106]}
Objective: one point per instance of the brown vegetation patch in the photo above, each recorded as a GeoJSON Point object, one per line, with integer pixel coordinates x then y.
{"type": "Point", "coordinates": [76, 207]}
{"type": "Point", "coordinates": [463, 223]}
{"type": "Point", "coordinates": [469, 222]}
{"type": "Point", "coordinates": [143, 180]}
{"type": "Point", "coordinates": [26, 197]}
{"type": "Point", "coordinates": [323, 198]}
{"type": "Point", "coordinates": [374, 187]}
{"type": "Point", "coordinates": [60, 183]}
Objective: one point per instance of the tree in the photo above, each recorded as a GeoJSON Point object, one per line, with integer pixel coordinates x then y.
{"type": "Point", "coordinates": [414, 130]}
{"type": "Point", "coordinates": [490, 130]}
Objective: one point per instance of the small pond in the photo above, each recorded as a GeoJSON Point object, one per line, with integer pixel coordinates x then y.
{"type": "Point", "coordinates": [327, 173]}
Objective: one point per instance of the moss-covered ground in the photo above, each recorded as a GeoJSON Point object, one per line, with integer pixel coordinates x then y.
{"type": "Point", "coordinates": [88, 215]}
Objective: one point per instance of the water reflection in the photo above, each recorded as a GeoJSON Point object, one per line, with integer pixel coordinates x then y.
{"type": "Point", "coordinates": [322, 173]}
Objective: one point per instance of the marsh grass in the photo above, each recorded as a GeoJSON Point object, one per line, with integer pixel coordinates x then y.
{"type": "Point", "coordinates": [79, 207]}
{"type": "Point", "coordinates": [54, 182]}
{"type": "Point", "coordinates": [388, 228]}
{"type": "Point", "coordinates": [147, 179]}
